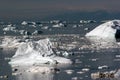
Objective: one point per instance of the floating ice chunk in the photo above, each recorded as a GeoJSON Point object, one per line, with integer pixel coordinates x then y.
{"type": "Point", "coordinates": [69, 71]}
{"type": "Point", "coordinates": [85, 69]}
{"type": "Point", "coordinates": [58, 25]}
{"type": "Point", "coordinates": [44, 27]}
{"type": "Point", "coordinates": [24, 23]}
{"type": "Point", "coordinates": [74, 78]}
{"type": "Point", "coordinates": [103, 67]}
{"type": "Point", "coordinates": [9, 28]}
{"type": "Point", "coordinates": [36, 32]}
{"type": "Point", "coordinates": [108, 31]}
{"type": "Point", "coordinates": [28, 23]}
{"type": "Point", "coordinates": [80, 72]}
{"type": "Point", "coordinates": [36, 52]}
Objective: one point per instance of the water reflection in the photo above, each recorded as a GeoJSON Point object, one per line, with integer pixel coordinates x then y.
{"type": "Point", "coordinates": [33, 73]}
{"type": "Point", "coordinates": [39, 72]}
{"type": "Point", "coordinates": [102, 43]}
{"type": "Point", "coordinates": [35, 76]}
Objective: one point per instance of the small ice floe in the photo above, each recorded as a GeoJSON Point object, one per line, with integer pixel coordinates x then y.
{"type": "Point", "coordinates": [24, 23]}
{"type": "Point", "coordinates": [4, 77]}
{"type": "Point", "coordinates": [64, 53]}
{"type": "Point", "coordinates": [94, 59]}
{"type": "Point", "coordinates": [80, 72]}
{"type": "Point", "coordinates": [117, 56]}
{"type": "Point", "coordinates": [69, 71]}
{"type": "Point", "coordinates": [22, 32]}
{"type": "Point", "coordinates": [36, 32]}
{"type": "Point", "coordinates": [58, 25]}
{"type": "Point", "coordinates": [45, 27]}
{"type": "Point", "coordinates": [74, 78]}
{"type": "Point", "coordinates": [28, 23]}
{"type": "Point", "coordinates": [10, 42]}
{"type": "Point", "coordinates": [87, 21]}
{"type": "Point", "coordinates": [86, 29]}
{"type": "Point", "coordinates": [37, 52]}
{"type": "Point", "coordinates": [7, 58]}
{"type": "Point", "coordinates": [55, 21]}
{"type": "Point", "coordinates": [75, 26]}
{"type": "Point", "coordinates": [103, 67]}
{"type": "Point", "coordinates": [9, 28]}
{"type": "Point", "coordinates": [85, 69]}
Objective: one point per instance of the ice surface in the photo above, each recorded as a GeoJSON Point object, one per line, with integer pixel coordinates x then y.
{"type": "Point", "coordinates": [36, 52]}
{"type": "Point", "coordinates": [10, 42]}
{"type": "Point", "coordinates": [105, 31]}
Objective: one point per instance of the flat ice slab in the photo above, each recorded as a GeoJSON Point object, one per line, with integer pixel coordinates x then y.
{"type": "Point", "coordinates": [37, 52]}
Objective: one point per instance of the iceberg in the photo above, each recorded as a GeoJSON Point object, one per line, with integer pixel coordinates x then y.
{"type": "Point", "coordinates": [37, 52]}
{"type": "Point", "coordinates": [109, 31]}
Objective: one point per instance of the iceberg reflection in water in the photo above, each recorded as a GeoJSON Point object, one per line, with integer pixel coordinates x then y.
{"type": "Point", "coordinates": [35, 73]}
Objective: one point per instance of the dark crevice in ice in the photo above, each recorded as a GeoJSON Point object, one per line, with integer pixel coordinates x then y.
{"type": "Point", "coordinates": [117, 35]}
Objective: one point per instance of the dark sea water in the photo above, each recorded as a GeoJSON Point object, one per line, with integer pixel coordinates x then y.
{"type": "Point", "coordinates": [86, 60]}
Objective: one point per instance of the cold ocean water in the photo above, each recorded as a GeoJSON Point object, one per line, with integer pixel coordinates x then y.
{"type": "Point", "coordinates": [87, 59]}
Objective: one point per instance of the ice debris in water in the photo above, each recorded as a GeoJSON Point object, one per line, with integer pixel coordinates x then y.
{"type": "Point", "coordinates": [9, 28]}
{"type": "Point", "coordinates": [37, 52]}
{"type": "Point", "coordinates": [103, 67]}
{"type": "Point", "coordinates": [69, 71]}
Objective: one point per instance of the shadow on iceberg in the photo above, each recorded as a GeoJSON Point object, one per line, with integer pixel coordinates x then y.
{"type": "Point", "coordinates": [106, 34]}
{"type": "Point", "coordinates": [37, 52]}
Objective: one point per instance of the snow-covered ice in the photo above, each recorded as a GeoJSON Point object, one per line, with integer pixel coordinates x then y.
{"type": "Point", "coordinates": [37, 52]}
{"type": "Point", "coordinates": [108, 31]}
{"type": "Point", "coordinates": [10, 42]}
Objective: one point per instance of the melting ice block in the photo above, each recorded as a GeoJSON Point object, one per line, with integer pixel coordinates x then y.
{"type": "Point", "coordinates": [36, 52]}
{"type": "Point", "coordinates": [109, 31]}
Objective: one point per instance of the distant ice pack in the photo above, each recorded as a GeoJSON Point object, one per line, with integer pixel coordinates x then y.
{"type": "Point", "coordinates": [109, 31]}
{"type": "Point", "coordinates": [36, 52]}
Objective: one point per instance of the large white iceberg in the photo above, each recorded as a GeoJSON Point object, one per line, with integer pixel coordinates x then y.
{"type": "Point", "coordinates": [108, 31]}
{"type": "Point", "coordinates": [36, 52]}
